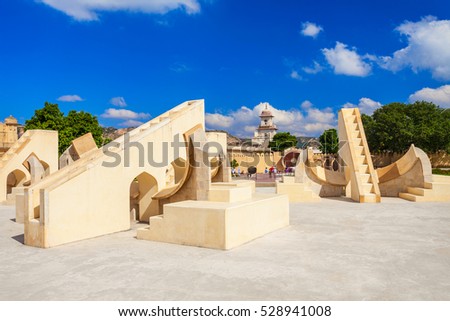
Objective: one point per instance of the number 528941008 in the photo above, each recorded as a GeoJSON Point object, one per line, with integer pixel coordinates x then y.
{"type": "Point", "coordinates": [299, 311]}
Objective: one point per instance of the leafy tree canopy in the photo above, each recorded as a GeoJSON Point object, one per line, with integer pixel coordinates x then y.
{"type": "Point", "coordinates": [282, 141]}
{"type": "Point", "coordinates": [69, 127]}
{"type": "Point", "coordinates": [329, 141]}
{"type": "Point", "coordinates": [394, 127]}
{"type": "Point", "coordinates": [234, 163]}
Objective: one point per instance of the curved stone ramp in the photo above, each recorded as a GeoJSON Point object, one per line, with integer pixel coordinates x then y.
{"type": "Point", "coordinates": [321, 175]}
{"type": "Point", "coordinates": [310, 182]}
{"type": "Point", "coordinates": [412, 170]}
{"type": "Point", "coordinates": [91, 197]}
{"type": "Point", "coordinates": [411, 178]}
{"type": "Point", "coordinates": [405, 165]}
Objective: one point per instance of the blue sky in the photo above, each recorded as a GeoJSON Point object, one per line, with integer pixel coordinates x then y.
{"type": "Point", "coordinates": [127, 61]}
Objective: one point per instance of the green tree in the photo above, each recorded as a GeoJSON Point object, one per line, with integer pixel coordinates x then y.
{"type": "Point", "coordinates": [394, 127]}
{"type": "Point", "coordinates": [79, 123]}
{"type": "Point", "coordinates": [329, 141]}
{"type": "Point", "coordinates": [49, 117]}
{"type": "Point", "coordinates": [74, 125]}
{"type": "Point", "coordinates": [431, 127]}
{"type": "Point", "coordinates": [234, 163]}
{"type": "Point", "coordinates": [282, 141]}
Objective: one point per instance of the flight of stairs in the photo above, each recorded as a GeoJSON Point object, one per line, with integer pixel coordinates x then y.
{"type": "Point", "coordinates": [364, 173]}
{"type": "Point", "coordinates": [25, 138]}
{"type": "Point", "coordinates": [297, 192]}
{"type": "Point", "coordinates": [232, 215]}
{"type": "Point", "coordinates": [436, 191]}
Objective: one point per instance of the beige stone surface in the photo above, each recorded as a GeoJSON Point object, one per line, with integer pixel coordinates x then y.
{"type": "Point", "coordinates": [218, 225]}
{"type": "Point", "coordinates": [91, 197]}
{"type": "Point", "coordinates": [229, 194]}
{"type": "Point", "coordinates": [32, 157]}
{"type": "Point", "coordinates": [80, 146]}
{"type": "Point", "coordinates": [297, 192]}
{"type": "Point", "coordinates": [20, 204]}
{"type": "Point", "coordinates": [238, 183]}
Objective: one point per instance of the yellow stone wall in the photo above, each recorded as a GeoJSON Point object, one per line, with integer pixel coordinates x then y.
{"type": "Point", "coordinates": [8, 135]}
{"type": "Point", "coordinates": [260, 158]}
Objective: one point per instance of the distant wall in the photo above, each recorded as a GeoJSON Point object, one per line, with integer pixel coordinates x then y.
{"type": "Point", "coordinates": [261, 159]}
{"type": "Point", "coordinates": [437, 160]}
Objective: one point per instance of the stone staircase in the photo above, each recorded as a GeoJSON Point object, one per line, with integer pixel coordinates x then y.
{"type": "Point", "coordinates": [232, 215]}
{"type": "Point", "coordinates": [297, 192]}
{"type": "Point", "coordinates": [364, 181]}
{"type": "Point", "coordinates": [436, 191]}
{"type": "Point", "coordinates": [19, 144]}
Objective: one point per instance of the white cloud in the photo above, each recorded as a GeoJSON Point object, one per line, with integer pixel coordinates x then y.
{"type": "Point", "coordinates": [218, 120]}
{"type": "Point", "coordinates": [70, 98]}
{"type": "Point", "coordinates": [243, 121]}
{"type": "Point", "coordinates": [440, 96]}
{"type": "Point", "coordinates": [250, 129]}
{"type": "Point", "coordinates": [310, 29]}
{"type": "Point", "coordinates": [313, 70]}
{"type": "Point", "coordinates": [320, 116]}
{"type": "Point", "coordinates": [88, 10]}
{"type": "Point", "coordinates": [366, 106]}
{"type": "Point", "coordinates": [428, 48]}
{"type": "Point", "coordinates": [295, 75]}
{"type": "Point", "coordinates": [131, 123]}
{"type": "Point", "coordinates": [118, 102]}
{"type": "Point", "coordinates": [123, 114]}
{"type": "Point", "coordinates": [306, 104]}
{"type": "Point", "coordinates": [346, 62]}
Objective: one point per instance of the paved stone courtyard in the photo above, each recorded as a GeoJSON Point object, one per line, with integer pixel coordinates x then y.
{"type": "Point", "coordinates": [333, 250]}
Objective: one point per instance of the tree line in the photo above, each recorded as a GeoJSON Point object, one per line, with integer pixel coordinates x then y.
{"type": "Point", "coordinates": [394, 127]}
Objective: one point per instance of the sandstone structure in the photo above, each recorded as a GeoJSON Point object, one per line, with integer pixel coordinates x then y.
{"type": "Point", "coordinates": [9, 134]}
{"type": "Point", "coordinates": [167, 172]}
{"type": "Point", "coordinates": [27, 161]}
{"type": "Point", "coordinates": [409, 178]}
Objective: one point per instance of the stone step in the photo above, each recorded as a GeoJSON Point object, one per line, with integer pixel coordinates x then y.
{"type": "Point", "coordinates": [156, 221]}
{"type": "Point", "coordinates": [229, 194]}
{"type": "Point", "coordinates": [364, 168]}
{"type": "Point", "coordinates": [420, 191]}
{"type": "Point", "coordinates": [365, 178]}
{"type": "Point", "coordinates": [440, 189]}
{"type": "Point", "coordinates": [361, 160]}
{"type": "Point", "coordinates": [220, 225]}
{"type": "Point", "coordinates": [370, 198]}
{"type": "Point", "coordinates": [367, 188]}
{"type": "Point", "coordinates": [412, 197]}
{"type": "Point", "coordinates": [441, 179]}
{"type": "Point", "coordinates": [359, 150]}
{"type": "Point", "coordinates": [353, 127]}
{"type": "Point", "coordinates": [356, 135]}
